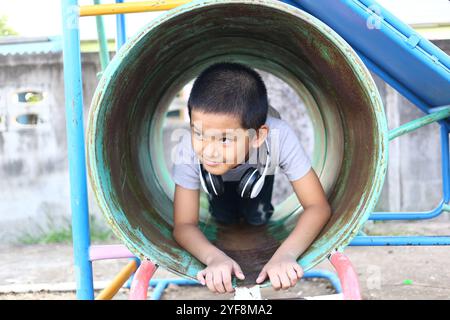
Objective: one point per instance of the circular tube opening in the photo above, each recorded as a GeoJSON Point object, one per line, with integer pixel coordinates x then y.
{"type": "Point", "coordinates": [124, 132]}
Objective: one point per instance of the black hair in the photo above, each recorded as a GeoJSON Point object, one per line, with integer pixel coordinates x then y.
{"type": "Point", "coordinates": [233, 89]}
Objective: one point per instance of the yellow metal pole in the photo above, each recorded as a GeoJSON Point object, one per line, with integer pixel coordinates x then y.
{"type": "Point", "coordinates": [130, 7]}
{"type": "Point", "coordinates": [118, 281]}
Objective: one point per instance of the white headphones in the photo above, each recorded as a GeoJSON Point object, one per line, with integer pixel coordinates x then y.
{"type": "Point", "coordinates": [249, 186]}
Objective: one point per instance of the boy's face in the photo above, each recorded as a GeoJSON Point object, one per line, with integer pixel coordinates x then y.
{"type": "Point", "coordinates": [219, 141]}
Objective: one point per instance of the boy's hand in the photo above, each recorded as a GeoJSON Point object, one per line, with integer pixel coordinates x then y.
{"type": "Point", "coordinates": [217, 275]}
{"type": "Point", "coordinates": [283, 272]}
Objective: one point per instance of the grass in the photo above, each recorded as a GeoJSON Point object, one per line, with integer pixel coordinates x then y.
{"type": "Point", "coordinates": [53, 236]}
{"type": "Point", "coordinates": [63, 235]}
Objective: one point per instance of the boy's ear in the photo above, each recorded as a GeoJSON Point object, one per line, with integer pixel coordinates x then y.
{"type": "Point", "coordinates": [259, 136]}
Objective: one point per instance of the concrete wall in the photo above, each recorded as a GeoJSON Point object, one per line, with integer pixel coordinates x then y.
{"type": "Point", "coordinates": [34, 181]}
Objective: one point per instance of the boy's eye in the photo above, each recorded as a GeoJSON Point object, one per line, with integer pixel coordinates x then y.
{"type": "Point", "coordinates": [197, 134]}
{"type": "Point", "coordinates": [227, 140]}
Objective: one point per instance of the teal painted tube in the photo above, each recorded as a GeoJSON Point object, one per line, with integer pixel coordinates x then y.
{"type": "Point", "coordinates": [126, 166]}
{"type": "Point", "coordinates": [75, 148]}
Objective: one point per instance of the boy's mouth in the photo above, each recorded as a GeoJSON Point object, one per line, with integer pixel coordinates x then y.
{"type": "Point", "coordinates": [211, 163]}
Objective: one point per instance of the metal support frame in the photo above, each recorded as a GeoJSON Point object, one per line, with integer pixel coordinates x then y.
{"type": "Point", "coordinates": [84, 254]}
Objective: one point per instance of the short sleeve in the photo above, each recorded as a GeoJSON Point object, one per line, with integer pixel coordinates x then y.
{"type": "Point", "coordinates": [294, 162]}
{"type": "Point", "coordinates": [185, 170]}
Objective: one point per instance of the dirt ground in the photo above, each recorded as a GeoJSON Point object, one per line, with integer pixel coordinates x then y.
{"type": "Point", "coordinates": [47, 272]}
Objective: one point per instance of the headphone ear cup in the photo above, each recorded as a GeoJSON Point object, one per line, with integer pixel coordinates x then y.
{"type": "Point", "coordinates": [217, 182]}
{"type": "Point", "coordinates": [212, 183]}
{"type": "Point", "coordinates": [247, 182]}
{"type": "Point", "coordinates": [203, 180]}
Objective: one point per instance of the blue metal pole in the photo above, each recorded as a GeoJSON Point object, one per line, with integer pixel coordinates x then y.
{"type": "Point", "coordinates": [401, 241]}
{"type": "Point", "coordinates": [408, 215]}
{"type": "Point", "coordinates": [161, 285]}
{"type": "Point", "coordinates": [121, 37]}
{"type": "Point", "coordinates": [159, 289]}
{"type": "Point", "coordinates": [332, 277]}
{"type": "Point", "coordinates": [445, 163]}
{"type": "Point", "coordinates": [75, 147]}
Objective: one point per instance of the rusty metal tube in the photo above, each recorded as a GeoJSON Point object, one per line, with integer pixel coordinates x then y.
{"type": "Point", "coordinates": [126, 166]}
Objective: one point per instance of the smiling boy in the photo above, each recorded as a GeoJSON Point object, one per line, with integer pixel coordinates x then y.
{"type": "Point", "coordinates": [230, 133]}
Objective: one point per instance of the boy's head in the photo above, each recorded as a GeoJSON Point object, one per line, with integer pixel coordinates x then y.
{"type": "Point", "coordinates": [228, 108]}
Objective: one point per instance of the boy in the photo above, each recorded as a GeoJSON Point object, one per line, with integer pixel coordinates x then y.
{"type": "Point", "coordinates": [228, 109]}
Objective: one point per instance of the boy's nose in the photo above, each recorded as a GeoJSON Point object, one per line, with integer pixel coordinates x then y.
{"type": "Point", "coordinates": [211, 152]}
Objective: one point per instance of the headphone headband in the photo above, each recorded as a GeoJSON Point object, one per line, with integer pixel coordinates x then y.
{"type": "Point", "coordinates": [266, 167]}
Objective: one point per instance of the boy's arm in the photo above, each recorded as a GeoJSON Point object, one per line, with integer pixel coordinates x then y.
{"type": "Point", "coordinates": [283, 269]}
{"type": "Point", "coordinates": [186, 231]}
{"type": "Point", "coordinates": [316, 214]}
{"type": "Point", "coordinates": [217, 275]}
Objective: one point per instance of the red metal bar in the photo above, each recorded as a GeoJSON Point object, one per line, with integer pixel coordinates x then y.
{"type": "Point", "coordinates": [347, 276]}
{"type": "Point", "coordinates": [139, 286]}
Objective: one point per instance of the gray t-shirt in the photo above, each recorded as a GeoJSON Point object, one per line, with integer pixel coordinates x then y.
{"type": "Point", "coordinates": [285, 152]}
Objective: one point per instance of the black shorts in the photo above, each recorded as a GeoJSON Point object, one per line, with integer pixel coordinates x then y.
{"type": "Point", "coordinates": [229, 208]}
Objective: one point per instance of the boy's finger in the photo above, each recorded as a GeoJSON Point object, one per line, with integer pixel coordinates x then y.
{"type": "Point", "coordinates": [274, 280]}
{"type": "Point", "coordinates": [218, 281]}
{"type": "Point", "coordinates": [285, 282]}
{"type": "Point", "coordinates": [299, 270]}
{"type": "Point", "coordinates": [238, 271]}
{"type": "Point", "coordinates": [292, 275]}
{"type": "Point", "coordinates": [262, 275]}
{"type": "Point", "coordinates": [209, 281]}
{"type": "Point", "coordinates": [201, 277]}
{"type": "Point", "coordinates": [226, 276]}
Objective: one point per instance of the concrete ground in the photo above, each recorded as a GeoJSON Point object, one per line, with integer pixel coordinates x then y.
{"type": "Point", "coordinates": [384, 272]}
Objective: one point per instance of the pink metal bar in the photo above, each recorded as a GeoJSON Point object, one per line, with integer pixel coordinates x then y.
{"type": "Point", "coordinates": [139, 286]}
{"type": "Point", "coordinates": [347, 276]}
{"type": "Point", "coordinates": [109, 252]}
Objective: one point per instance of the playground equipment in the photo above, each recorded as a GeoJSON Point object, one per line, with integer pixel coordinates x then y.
{"type": "Point", "coordinates": [124, 145]}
